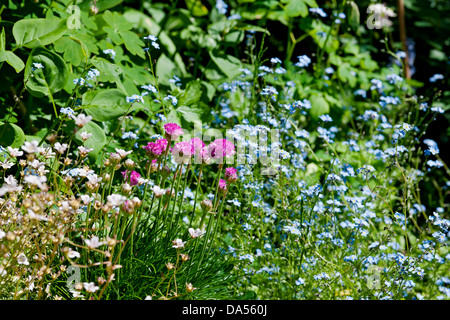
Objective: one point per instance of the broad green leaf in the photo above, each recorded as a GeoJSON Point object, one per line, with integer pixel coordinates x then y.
{"type": "Point", "coordinates": [72, 50]}
{"type": "Point", "coordinates": [319, 106]}
{"type": "Point", "coordinates": [133, 43]}
{"type": "Point", "coordinates": [115, 37]}
{"type": "Point", "coordinates": [49, 79]}
{"type": "Point", "coordinates": [108, 71]}
{"type": "Point", "coordinates": [13, 60]}
{"type": "Point", "coordinates": [33, 32]}
{"type": "Point", "coordinates": [116, 21]}
{"type": "Point", "coordinates": [197, 8]}
{"type": "Point", "coordinates": [11, 135]}
{"type": "Point", "coordinates": [105, 105]}
{"type": "Point", "coordinates": [191, 113]}
{"type": "Point", "coordinates": [192, 93]}
{"type": "Point", "coordinates": [228, 64]}
{"type": "Point", "coordinates": [97, 141]}
{"type": "Point", "coordinates": [296, 8]}
{"type": "Point", "coordinates": [165, 69]}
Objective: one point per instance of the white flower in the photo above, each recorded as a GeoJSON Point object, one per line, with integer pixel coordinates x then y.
{"type": "Point", "coordinates": [85, 135]}
{"type": "Point", "coordinates": [178, 243]}
{"type": "Point", "coordinates": [94, 179]}
{"type": "Point", "coordinates": [14, 152]}
{"type": "Point", "coordinates": [81, 119]}
{"type": "Point", "coordinates": [36, 180]}
{"type": "Point", "coordinates": [115, 200]}
{"type": "Point", "coordinates": [60, 148]}
{"type": "Point", "coordinates": [195, 233]}
{"type": "Point", "coordinates": [123, 153]}
{"type": "Point", "coordinates": [22, 259]}
{"type": "Point", "coordinates": [158, 191]}
{"type": "Point", "coordinates": [381, 15]}
{"type": "Point", "coordinates": [84, 151]}
{"type": "Point", "coordinates": [2, 234]}
{"type": "Point", "coordinates": [35, 163]}
{"type": "Point", "coordinates": [6, 165]}
{"type": "Point", "coordinates": [90, 287]}
{"type": "Point", "coordinates": [83, 172]}
{"type": "Point", "coordinates": [86, 199]}
{"type": "Point", "coordinates": [94, 242]}
{"type": "Point", "coordinates": [31, 147]}
{"type": "Point", "coordinates": [73, 254]}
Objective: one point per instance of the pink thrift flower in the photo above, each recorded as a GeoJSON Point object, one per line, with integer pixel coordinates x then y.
{"type": "Point", "coordinates": [222, 187]}
{"type": "Point", "coordinates": [128, 206]}
{"type": "Point", "coordinates": [156, 149]}
{"type": "Point", "coordinates": [134, 178]}
{"type": "Point", "coordinates": [172, 131]}
{"type": "Point", "coordinates": [182, 151]}
{"type": "Point", "coordinates": [197, 145]}
{"type": "Point", "coordinates": [205, 155]}
{"type": "Point", "coordinates": [221, 148]}
{"type": "Point", "coordinates": [231, 175]}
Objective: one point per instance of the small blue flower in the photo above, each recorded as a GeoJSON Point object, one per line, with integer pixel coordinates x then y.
{"type": "Point", "coordinates": [303, 61]}
{"type": "Point", "coordinates": [436, 77]}
{"type": "Point", "coordinates": [325, 118]}
{"type": "Point", "coordinates": [318, 11]}
{"type": "Point", "coordinates": [221, 6]}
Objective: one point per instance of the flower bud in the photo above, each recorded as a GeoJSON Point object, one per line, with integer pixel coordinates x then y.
{"type": "Point", "coordinates": [165, 171]}
{"type": "Point", "coordinates": [126, 188]}
{"type": "Point", "coordinates": [206, 205]}
{"type": "Point", "coordinates": [129, 164]}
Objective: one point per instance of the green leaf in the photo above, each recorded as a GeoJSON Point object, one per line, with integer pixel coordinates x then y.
{"type": "Point", "coordinates": [34, 32]}
{"type": "Point", "coordinates": [228, 64]}
{"type": "Point", "coordinates": [190, 114]}
{"type": "Point", "coordinates": [345, 74]}
{"type": "Point", "coordinates": [296, 8]}
{"type": "Point", "coordinates": [192, 93]}
{"type": "Point", "coordinates": [197, 8]}
{"type": "Point", "coordinates": [353, 15]}
{"type": "Point", "coordinates": [11, 135]}
{"type": "Point", "coordinates": [51, 78]}
{"type": "Point", "coordinates": [2, 40]}
{"type": "Point", "coordinates": [165, 69]}
{"type": "Point", "coordinates": [105, 105]}
{"type": "Point", "coordinates": [72, 50]}
{"type": "Point", "coordinates": [133, 43]}
{"type": "Point", "coordinates": [13, 60]}
{"type": "Point", "coordinates": [116, 21]}
{"type": "Point", "coordinates": [319, 106]}
{"type": "Point", "coordinates": [101, 5]}
{"type": "Point", "coordinates": [96, 141]}
{"type": "Point", "coordinates": [108, 71]}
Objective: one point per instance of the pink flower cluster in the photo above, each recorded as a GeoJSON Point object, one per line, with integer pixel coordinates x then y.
{"type": "Point", "coordinates": [221, 148]}
{"type": "Point", "coordinates": [134, 177]}
{"type": "Point", "coordinates": [184, 150]}
{"type": "Point", "coordinates": [222, 188]}
{"type": "Point", "coordinates": [231, 175]}
{"type": "Point", "coordinates": [155, 149]}
{"type": "Point", "coordinates": [172, 131]}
